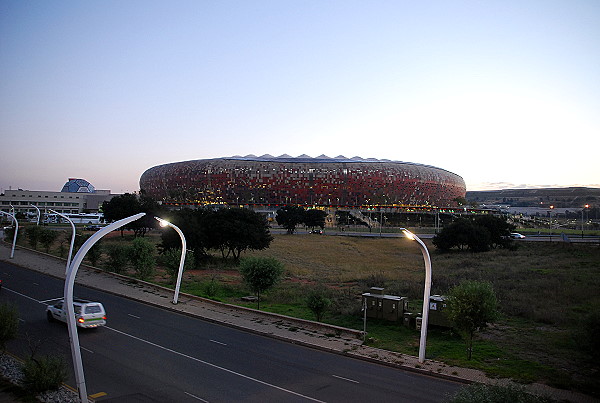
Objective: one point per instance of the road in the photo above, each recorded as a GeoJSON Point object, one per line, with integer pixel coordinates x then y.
{"type": "Point", "coordinates": [147, 354]}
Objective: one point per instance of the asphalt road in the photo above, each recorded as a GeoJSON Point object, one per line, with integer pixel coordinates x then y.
{"type": "Point", "coordinates": [147, 354]}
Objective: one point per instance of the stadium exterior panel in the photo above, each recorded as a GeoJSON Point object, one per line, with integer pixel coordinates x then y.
{"type": "Point", "coordinates": [284, 180]}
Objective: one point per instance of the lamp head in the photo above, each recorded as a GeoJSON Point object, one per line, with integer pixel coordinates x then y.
{"type": "Point", "coordinates": [408, 234]}
{"type": "Point", "coordinates": [163, 223]}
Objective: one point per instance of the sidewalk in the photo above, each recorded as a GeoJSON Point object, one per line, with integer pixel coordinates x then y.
{"type": "Point", "coordinates": [312, 334]}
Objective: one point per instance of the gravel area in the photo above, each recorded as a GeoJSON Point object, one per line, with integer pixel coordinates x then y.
{"type": "Point", "coordinates": [11, 370]}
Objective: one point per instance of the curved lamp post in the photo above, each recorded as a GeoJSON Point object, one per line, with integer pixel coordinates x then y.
{"type": "Point", "coordinates": [12, 251]}
{"type": "Point", "coordinates": [426, 292]}
{"type": "Point", "coordinates": [39, 213]}
{"type": "Point", "coordinates": [72, 238]}
{"type": "Point", "coordinates": [165, 223]}
{"type": "Point", "coordinates": [68, 298]}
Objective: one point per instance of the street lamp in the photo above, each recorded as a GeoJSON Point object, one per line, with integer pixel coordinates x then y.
{"type": "Point", "coordinates": [12, 251]}
{"type": "Point", "coordinates": [68, 299]}
{"type": "Point", "coordinates": [426, 292]}
{"type": "Point", "coordinates": [72, 238]}
{"type": "Point", "coordinates": [165, 223]}
{"type": "Point", "coordinates": [39, 214]}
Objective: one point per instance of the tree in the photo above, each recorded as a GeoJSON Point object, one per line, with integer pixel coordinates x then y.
{"type": "Point", "coordinates": [317, 301]}
{"type": "Point", "coordinates": [129, 204]}
{"type": "Point", "coordinates": [477, 235]}
{"type": "Point", "coordinates": [9, 324]}
{"type": "Point", "coordinates": [471, 305]}
{"type": "Point", "coordinates": [142, 257]}
{"type": "Point", "coordinates": [498, 228]}
{"type": "Point", "coordinates": [315, 218]}
{"type": "Point", "coordinates": [289, 217]}
{"type": "Point", "coordinates": [260, 273]}
{"type": "Point", "coordinates": [95, 253]}
{"type": "Point", "coordinates": [235, 230]}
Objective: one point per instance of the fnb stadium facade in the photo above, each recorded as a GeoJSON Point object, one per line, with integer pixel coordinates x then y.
{"type": "Point", "coordinates": [285, 180]}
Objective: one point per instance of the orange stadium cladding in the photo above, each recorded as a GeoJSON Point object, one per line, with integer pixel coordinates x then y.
{"type": "Point", "coordinates": [285, 180]}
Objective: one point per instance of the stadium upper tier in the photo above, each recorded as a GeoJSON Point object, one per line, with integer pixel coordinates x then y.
{"type": "Point", "coordinates": [286, 180]}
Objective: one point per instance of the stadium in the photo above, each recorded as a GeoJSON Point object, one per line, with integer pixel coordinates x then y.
{"type": "Point", "coordinates": [322, 181]}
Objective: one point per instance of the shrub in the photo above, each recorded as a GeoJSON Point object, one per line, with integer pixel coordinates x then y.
{"type": "Point", "coordinates": [118, 257]}
{"type": "Point", "coordinates": [44, 374]}
{"type": "Point", "coordinates": [478, 393]}
{"type": "Point", "coordinates": [318, 302]}
{"type": "Point", "coordinates": [9, 323]}
{"type": "Point", "coordinates": [260, 274]}
{"type": "Point", "coordinates": [142, 257]}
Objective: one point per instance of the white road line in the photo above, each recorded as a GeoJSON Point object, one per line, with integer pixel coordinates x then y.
{"type": "Point", "coordinates": [86, 349]}
{"type": "Point", "coordinates": [196, 397]}
{"type": "Point", "coordinates": [133, 316]}
{"type": "Point", "coordinates": [218, 342]}
{"type": "Point", "coordinates": [49, 300]}
{"type": "Point", "coordinates": [345, 379]}
{"type": "Point", "coordinates": [214, 365]}
{"type": "Point", "coordinates": [22, 295]}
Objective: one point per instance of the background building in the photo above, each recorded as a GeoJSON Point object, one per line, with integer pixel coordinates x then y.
{"type": "Point", "coordinates": [77, 196]}
{"type": "Point", "coordinates": [284, 180]}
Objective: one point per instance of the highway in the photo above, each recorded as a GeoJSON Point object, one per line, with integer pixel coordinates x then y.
{"type": "Point", "coordinates": [147, 354]}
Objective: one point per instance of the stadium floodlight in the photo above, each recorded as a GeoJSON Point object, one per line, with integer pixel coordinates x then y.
{"type": "Point", "coordinates": [426, 291]}
{"type": "Point", "coordinates": [165, 223]}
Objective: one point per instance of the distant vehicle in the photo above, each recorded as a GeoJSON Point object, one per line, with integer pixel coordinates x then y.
{"type": "Point", "coordinates": [516, 235]}
{"type": "Point", "coordinates": [93, 227]}
{"type": "Point", "coordinates": [317, 231]}
{"type": "Point", "coordinates": [88, 314]}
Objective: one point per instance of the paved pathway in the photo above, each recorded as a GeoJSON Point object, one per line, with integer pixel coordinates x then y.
{"type": "Point", "coordinates": [331, 338]}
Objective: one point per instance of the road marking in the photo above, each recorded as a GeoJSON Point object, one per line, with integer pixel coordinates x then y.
{"type": "Point", "coordinates": [86, 349]}
{"type": "Point", "coordinates": [97, 395]}
{"type": "Point", "coordinates": [214, 365]}
{"type": "Point", "coordinates": [22, 295]}
{"type": "Point", "coordinates": [218, 342]}
{"type": "Point", "coordinates": [49, 300]}
{"type": "Point", "coordinates": [35, 283]}
{"type": "Point", "coordinates": [133, 316]}
{"type": "Point", "coordinates": [345, 379]}
{"type": "Point", "coordinates": [196, 397]}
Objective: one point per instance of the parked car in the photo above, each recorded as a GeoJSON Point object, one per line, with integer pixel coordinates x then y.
{"type": "Point", "coordinates": [88, 314]}
{"type": "Point", "coordinates": [317, 231]}
{"type": "Point", "coordinates": [516, 235]}
{"type": "Point", "coordinates": [92, 227]}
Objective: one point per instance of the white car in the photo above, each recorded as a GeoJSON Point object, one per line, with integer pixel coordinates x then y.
{"type": "Point", "coordinates": [516, 235]}
{"type": "Point", "coordinates": [88, 314]}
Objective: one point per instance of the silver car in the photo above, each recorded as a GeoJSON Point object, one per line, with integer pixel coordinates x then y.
{"type": "Point", "coordinates": [88, 314]}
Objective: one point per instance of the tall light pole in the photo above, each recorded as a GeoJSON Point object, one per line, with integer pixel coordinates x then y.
{"type": "Point", "coordinates": [426, 292]}
{"type": "Point", "coordinates": [72, 238]}
{"type": "Point", "coordinates": [14, 218]}
{"type": "Point", "coordinates": [68, 299]}
{"type": "Point", "coordinates": [39, 213]}
{"type": "Point", "coordinates": [165, 223]}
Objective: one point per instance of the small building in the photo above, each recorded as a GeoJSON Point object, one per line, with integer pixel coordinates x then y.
{"type": "Point", "coordinates": [381, 306]}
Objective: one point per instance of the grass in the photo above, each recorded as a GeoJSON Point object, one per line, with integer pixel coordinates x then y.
{"type": "Point", "coordinates": [545, 291]}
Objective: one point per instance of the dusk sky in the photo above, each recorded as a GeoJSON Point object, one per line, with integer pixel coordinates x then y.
{"type": "Point", "coordinates": [503, 93]}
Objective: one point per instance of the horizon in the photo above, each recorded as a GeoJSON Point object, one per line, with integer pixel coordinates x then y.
{"type": "Point", "coordinates": [503, 94]}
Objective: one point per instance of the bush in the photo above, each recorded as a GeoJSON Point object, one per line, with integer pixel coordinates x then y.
{"type": "Point", "coordinates": [260, 274]}
{"type": "Point", "coordinates": [9, 323]}
{"type": "Point", "coordinates": [479, 393]}
{"type": "Point", "coordinates": [142, 257]}
{"type": "Point", "coordinates": [318, 302]}
{"type": "Point", "coordinates": [118, 257]}
{"type": "Point", "coordinates": [44, 374]}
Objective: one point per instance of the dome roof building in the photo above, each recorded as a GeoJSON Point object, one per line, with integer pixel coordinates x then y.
{"type": "Point", "coordinates": [303, 180]}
